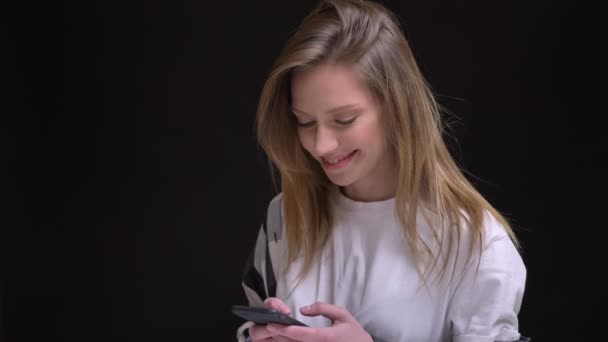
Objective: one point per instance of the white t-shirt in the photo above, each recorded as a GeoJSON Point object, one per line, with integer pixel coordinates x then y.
{"type": "Point", "coordinates": [367, 268]}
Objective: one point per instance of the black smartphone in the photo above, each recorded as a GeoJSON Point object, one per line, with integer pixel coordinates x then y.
{"type": "Point", "coordinates": [263, 316]}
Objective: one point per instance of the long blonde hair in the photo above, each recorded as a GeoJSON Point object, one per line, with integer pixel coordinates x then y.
{"type": "Point", "coordinates": [367, 37]}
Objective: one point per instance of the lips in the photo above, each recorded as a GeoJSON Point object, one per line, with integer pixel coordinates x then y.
{"type": "Point", "coordinates": [338, 162]}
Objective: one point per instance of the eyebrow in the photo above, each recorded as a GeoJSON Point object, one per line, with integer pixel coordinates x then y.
{"type": "Point", "coordinates": [334, 110]}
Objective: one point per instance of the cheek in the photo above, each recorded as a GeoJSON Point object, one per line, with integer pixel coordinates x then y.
{"type": "Point", "coordinates": [365, 136]}
{"type": "Point", "coordinates": [305, 139]}
{"type": "Point", "coordinates": [376, 133]}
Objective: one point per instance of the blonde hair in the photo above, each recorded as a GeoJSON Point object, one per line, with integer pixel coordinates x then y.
{"type": "Point", "coordinates": [367, 37]}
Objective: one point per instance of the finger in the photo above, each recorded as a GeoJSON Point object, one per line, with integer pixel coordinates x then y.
{"type": "Point", "coordinates": [268, 339]}
{"type": "Point", "coordinates": [279, 338]}
{"type": "Point", "coordinates": [277, 304]}
{"type": "Point", "coordinates": [260, 332]}
{"type": "Point", "coordinates": [333, 312]}
{"type": "Point", "coordinates": [295, 332]}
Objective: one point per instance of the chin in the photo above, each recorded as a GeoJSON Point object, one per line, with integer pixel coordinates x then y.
{"type": "Point", "coordinates": [341, 181]}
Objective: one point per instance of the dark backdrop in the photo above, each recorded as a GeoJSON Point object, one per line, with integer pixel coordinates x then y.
{"type": "Point", "coordinates": [138, 187]}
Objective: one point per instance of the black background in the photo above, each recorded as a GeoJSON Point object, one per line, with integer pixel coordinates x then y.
{"type": "Point", "coordinates": [137, 187]}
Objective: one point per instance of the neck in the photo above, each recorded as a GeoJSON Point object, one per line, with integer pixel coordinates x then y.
{"type": "Point", "coordinates": [378, 186]}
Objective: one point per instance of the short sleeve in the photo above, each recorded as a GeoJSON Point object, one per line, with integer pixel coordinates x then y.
{"type": "Point", "coordinates": [486, 301]}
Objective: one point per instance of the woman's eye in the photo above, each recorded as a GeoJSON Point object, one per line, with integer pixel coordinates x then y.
{"type": "Point", "coordinates": [305, 124]}
{"type": "Point", "coordinates": [346, 122]}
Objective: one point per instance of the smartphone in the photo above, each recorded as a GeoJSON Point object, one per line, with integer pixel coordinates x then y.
{"type": "Point", "coordinates": [263, 316]}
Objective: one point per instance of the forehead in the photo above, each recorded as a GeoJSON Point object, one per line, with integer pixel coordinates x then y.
{"type": "Point", "coordinates": [322, 87]}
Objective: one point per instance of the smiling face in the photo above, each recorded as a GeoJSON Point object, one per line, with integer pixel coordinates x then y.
{"type": "Point", "coordinates": [340, 125]}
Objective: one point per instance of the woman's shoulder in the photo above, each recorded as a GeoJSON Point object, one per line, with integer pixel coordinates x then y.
{"type": "Point", "coordinates": [276, 200]}
{"type": "Point", "coordinates": [497, 247]}
{"type": "Point", "coordinates": [489, 234]}
{"type": "Point", "coordinates": [274, 209]}
{"type": "Point", "coordinates": [490, 227]}
{"type": "Point", "coordinates": [273, 225]}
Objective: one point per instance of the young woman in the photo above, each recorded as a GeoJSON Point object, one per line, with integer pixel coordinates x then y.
{"type": "Point", "coordinates": [375, 235]}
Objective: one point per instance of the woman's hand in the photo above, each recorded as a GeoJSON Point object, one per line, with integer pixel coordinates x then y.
{"type": "Point", "coordinates": [344, 326]}
{"type": "Point", "coordinates": [261, 333]}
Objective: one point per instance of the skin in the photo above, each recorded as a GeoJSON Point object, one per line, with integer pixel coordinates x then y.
{"type": "Point", "coordinates": [344, 327]}
{"type": "Point", "coordinates": [337, 115]}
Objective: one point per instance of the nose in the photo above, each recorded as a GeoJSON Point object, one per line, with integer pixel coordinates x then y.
{"type": "Point", "coordinates": [325, 141]}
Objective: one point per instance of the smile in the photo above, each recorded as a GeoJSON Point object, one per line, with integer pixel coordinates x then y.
{"type": "Point", "coordinates": [335, 164]}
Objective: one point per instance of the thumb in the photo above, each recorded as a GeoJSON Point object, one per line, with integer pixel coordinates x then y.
{"type": "Point", "coordinates": [277, 304]}
{"type": "Point", "coordinates": [333, 312]}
